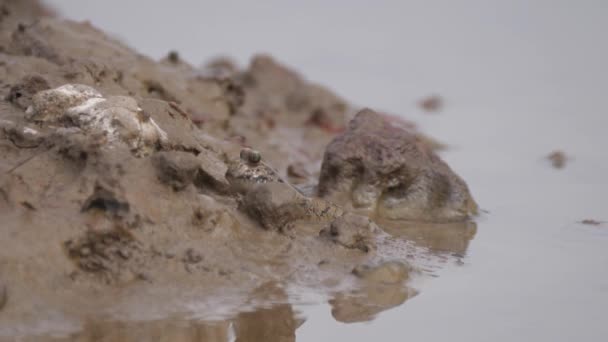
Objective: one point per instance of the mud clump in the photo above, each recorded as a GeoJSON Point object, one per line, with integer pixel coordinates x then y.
{"type": "Point", "coordinates": [592, 222]}
{"type": "Point", "coordinates": [432, 103]}
{"type": "Point", "coordinates": [558, 159]}
{"type": "Point", "coordinates": [386, 171]}
{"type": "Point", "coordinates": [275, 205]}
{"type": "Point", "coordinates": [176, 169]}
{"type": "Point", "coordinates": [51, 105]}
{"type": "Point", "coordinates": [117, 118]}
{"type": "Point", "coordinates": [21, 93]}
{"type": "Point", "coordinates": [212, 172]}
{"type": "Point", "coordinates": [21, 136]}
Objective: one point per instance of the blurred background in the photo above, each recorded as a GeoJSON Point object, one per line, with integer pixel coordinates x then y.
{"type": "Point", "coordinates": [522, 54]}
{"type": "Point", "coordinates": [541, 61]}
{"type": "Point", "coordinates": [518, 78]}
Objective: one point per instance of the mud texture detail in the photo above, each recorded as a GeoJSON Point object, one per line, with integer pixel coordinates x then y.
{"type": "Point", "coordinates": [386, 171]}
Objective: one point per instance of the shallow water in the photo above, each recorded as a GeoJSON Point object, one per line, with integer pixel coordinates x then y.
{"type": "Point", "coordinates": [519, 79]}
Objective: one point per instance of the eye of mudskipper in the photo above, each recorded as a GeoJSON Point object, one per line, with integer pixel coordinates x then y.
{"type": "Point", "coordinates": [250, 156]}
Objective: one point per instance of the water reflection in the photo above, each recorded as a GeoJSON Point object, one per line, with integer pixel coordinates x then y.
{"type": "Point", "coordinates": [277, 323]}
{"type": "Point", "coordinates": [274, 320]}
{"type": "Point", "coordinates": [452, 238]}
{"type": "Point", "coordinates": [274, 324]}
{"type": "Point", "coordinates": [266, 313]}
{"type": "Point", "coordinates": [377, 294]}
{"type": "Point", "coordinates": [381, 287]}
{"type": "Point", "coordinates": [166, 330]}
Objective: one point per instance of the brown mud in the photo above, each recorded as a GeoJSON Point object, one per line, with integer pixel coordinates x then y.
{"type": "Point", "coordinates": [130, 200]}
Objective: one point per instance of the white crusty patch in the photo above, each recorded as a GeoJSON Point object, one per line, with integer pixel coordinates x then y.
{"type": "Point", "coordinates": [77, 90]}
{"type": "Point", "coordinates": [87, 105]}
{"type": "Point", "coordinates": [162, 134]}
{"type": "Point", "coordinates": [6, 124]}
{"type": "Point", "coordinates": [28, 130]}
{"type": "Point", "coordinates": [90, 118]}
{"type": "Point", "coordinates": [118, 118]}
{"type": "Point", "coordinates": [50, 105]}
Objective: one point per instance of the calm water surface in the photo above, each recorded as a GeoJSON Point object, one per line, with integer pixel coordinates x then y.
{"type": "Point", "coordinates": [519, 79]}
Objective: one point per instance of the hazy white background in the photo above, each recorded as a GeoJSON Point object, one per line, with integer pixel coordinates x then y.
{"type": "Point", "coordinates": [520, 79]}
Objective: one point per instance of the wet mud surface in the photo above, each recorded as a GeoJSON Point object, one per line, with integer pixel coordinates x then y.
{"type": "Point", "coordinates": [139, 198]}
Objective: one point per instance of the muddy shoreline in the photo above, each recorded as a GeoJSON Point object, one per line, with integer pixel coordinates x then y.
{"type": "Point", "coordinates": [133, 187]}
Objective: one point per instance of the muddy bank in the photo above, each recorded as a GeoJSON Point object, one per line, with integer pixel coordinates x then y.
{"type": "Point", "coordinates": [133, 187]}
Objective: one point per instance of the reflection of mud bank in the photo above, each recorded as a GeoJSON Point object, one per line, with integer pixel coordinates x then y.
{"type": "Point", "coordinates": [274, 322]}
{"type": "Point", "coordinates": [269, 319]}
{"type": "Point", "coordinates": [450, 238]}
{"type": "Point", "coordinates": [125, 180]}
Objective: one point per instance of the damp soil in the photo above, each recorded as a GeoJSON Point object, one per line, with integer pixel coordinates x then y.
{"type": "Point", "coordinates": [148, 242]}
{"type": "Point", "coordinates": [133, 196]}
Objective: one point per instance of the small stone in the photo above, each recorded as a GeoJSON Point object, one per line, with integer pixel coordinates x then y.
{"type": "Point", "coordinates": [432, 103]}
{"type": "Point", "coordinates": [173, 57]}
{"type": "Point", "coordinates": [558, 159]}
{"type": "Point", "coordinates": [591, 222]}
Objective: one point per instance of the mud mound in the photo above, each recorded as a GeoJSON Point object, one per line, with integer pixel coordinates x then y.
{"type": "Point", "coordinates": [120, 175]}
